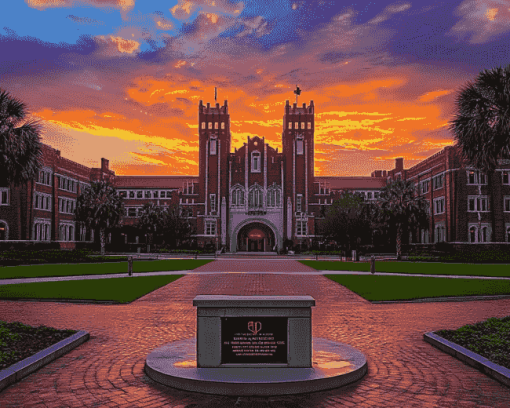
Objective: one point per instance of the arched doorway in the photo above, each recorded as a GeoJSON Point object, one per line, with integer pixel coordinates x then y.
{"type": "Point", "coordinates": [255, 237]}
{"type": "Point", "coordinates": [4, 231]}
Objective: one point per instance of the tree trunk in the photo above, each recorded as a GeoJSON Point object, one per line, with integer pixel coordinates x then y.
{"type": "Point", "coordinates": [490, 187]}
{"type": "Point", "coordinates": [399, 243]}
{"type": "Point", "coordinates": [102, 239]}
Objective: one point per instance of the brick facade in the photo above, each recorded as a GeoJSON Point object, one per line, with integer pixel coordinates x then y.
{"type": "Point", "coordinates": [256, 198]}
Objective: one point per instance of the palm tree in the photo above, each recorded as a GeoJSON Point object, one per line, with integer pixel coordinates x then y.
{"type": "Point", "coordinates": [175, 225]}
{"type": "Point", "coordinates": [401, 207]}
{"type": "Point", "coordinates": [100, 207]}
{"type": "Point", "coordinates": [482, 126]}
{"type": "Point", "coordinates": [20, 146]}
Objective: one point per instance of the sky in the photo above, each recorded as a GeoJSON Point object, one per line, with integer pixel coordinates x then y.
{"type": "Point", "coordinates": [122, 79]}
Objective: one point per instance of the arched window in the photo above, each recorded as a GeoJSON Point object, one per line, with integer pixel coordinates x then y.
{"type": "Point", "coordinates": [273, 197]}
{"type": "Point", "coordinates": [299, 145]}
{"type": "Point", "coordinates": [255, 162]}
{"type": "Point", "coordinates": [238, 197]}
{"type": "Point", "coordinates": [213, 146]}
{"type": "Point", "coordinates": [485, 234]}
{"type": "Point", "coordinates": [4, 229]}
{"type": "Point", "coordinates": [472, 234]}
{"type": "Point", "coordinates": [255, 198]}
{"type": "Point", "coordinates": [508, 234]}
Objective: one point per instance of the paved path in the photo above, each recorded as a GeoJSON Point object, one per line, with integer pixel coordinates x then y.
{"type": "Point", "coordinates": [404, 371]}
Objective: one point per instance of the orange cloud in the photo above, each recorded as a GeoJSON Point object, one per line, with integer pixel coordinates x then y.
{"type": "Point", "coordinates": [120, 44]}
{"type": "Point", "coordinates": [430, 96]}
{"type": "Point", "coordinates": [124, 5]}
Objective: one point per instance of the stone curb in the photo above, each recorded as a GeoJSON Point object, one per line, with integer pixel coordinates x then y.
{"type": "Point", "coordinates": [444, 299]}
{"type": "Point", "coordinates": [493, 370]}
{"type": "Point", "coordinates": [18, 371]}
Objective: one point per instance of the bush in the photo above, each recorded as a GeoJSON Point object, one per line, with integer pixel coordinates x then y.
{"type": "Point", "coordinates": [19, 257]}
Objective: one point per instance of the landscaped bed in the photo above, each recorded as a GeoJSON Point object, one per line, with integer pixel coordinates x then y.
{"type": "Point", "coordinates": [33, 271]}
{"type": "Point", "coordinates": [19, 341]}
{"type": "Point", "coordinates": [118, 290]}
{"type": "Point", "coordinates": [490, 339]}
{"type": "Point", "coordinates": [425, 268]}
{"type": "Point", "coordinates": [385, 288]}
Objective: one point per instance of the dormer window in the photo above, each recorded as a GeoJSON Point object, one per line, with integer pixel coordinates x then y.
{"type": "Point", "coordinates": [255, 162]}
{"type": "Point", "coordinates": [213, 146]}
{"type": "Point", "coordinates": [299, 146]}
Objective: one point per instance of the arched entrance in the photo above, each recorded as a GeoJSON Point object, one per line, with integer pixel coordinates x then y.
{"type": "Point", "coordinates": [255, 237]}
{"type": "Point", "coordinates": [4, 230]}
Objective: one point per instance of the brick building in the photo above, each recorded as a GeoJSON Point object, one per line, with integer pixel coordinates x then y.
{"type": "Point", "coordinates": [255, 198]}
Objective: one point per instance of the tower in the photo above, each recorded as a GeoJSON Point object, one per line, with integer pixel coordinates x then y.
{"type": "Point", "coordinates": [298, 150]}
{"type": "Point", "coordinates": [214, 148]}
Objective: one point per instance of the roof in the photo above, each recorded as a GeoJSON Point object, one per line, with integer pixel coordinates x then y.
{"type": "Point", "coordinates": [153, 181]}
{"type": "Point", "coordinates": [353, 183]}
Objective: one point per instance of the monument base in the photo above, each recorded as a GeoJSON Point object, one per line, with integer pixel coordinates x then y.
{"type": "Point", "coordinates": [334, 365]}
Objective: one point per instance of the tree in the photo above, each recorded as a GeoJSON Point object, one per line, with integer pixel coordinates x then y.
{"type": "Point", "coordinates": [20, 146]}
{"type": "Point", "coordinates": [347, 221]}
{"type": "Point", "coordinates": [401, 208]}
{"type": "Point", "coordinates": [151, 221]}
{"type": "Point", "coordinates": [482, 126]}
{"type": "Point", "coordinates": [99, 206]}
{"type": "Point", "coordinates": [175, 225]}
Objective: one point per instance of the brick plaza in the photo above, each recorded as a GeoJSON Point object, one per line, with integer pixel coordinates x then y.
{"type": "Point", "coordinates": [403, 370]}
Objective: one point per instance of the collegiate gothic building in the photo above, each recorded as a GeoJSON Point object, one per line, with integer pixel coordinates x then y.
{"type": "Point", "coordinates": [255, 198]}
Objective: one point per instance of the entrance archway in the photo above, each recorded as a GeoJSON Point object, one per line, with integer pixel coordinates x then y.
{"type": "Point", "coordinates": [255, 237]}
{"type": "Point", "coordinates": [4, 230]}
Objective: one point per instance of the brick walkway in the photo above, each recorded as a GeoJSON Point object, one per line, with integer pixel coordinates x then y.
{"type": "Point", "coordinates": [404, 371]}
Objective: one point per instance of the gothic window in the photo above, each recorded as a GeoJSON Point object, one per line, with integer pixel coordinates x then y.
{"type": "Point", "coordinates": [472, 234]}
{"type": "Point", "coordinates": [290, 125]}
{"type": "Point", "coordinates": [299, 146]}
{"type": "Point", "coordinates": [223, 125]}
{"type": "Point", "coordinates": [255, 198]}
{"type": "Point", "coordinates": [210, 125]}
{"type": "Point", "coordinates": [238, 197]}
{"type": "Point", "coordinates": [255, 162]}
{"type": "Point", "coordinates": [302, 125]}
{"type": "Point", "coordinates": [298, 203]}
{"type": "Point", "coordinates": [213, 146]}
{"type": "Point", "coordinates": [439, 205]}
{"type": "Point", "coordinates": [203, 125]}
{"type": "Point", "coordinates": [273, 197]}
{"type": "Point", "coordinates": [216, 125]}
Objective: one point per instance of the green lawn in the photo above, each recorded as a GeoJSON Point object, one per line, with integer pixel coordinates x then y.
{"type": "Point", "coordinates": [377, 287]}
{"type": "Point", "coordinates": [427, 268]}
{"type": "Point", "coordinates": [121, 290]}
{"type": "Point", "coordinates": [33, 271]}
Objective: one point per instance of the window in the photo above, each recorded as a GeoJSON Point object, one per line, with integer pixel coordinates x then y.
{"type": "Point", "coordinates": [255, 198]}
{"type": "Point", "coordinates": [472, 234]}
{"type": "Point", "coordinates": [212, 198]}
{"type": "Point", "coordinates": [131, 194]}
{"type": "Point", "coordinates": [123, 194]}
{"type": "Point", "coordinates": [299, 146]}
{"type": "Point", "coordinates": [302, 125]}
{"type": "Point", "coordinates": [290, 125]}
{"type": "Point", "coordinates": [139, 194]}
{"type": "Point", "coordinates": [438, 182]}
{"type": "Point", "coordinates": [300, 227]}
{"type": "Point", "coordinates": [203, 125]}
{"type": "Point", "coordinates": [216, 125]}
{"type": "Point", "coordinates": [238, 197]}
{"type": "Point", "coordinates": [507, 204]}
{"type": "Point", "coordinates": [273, 198]}
{"type": "Point", "coordinates": [424, 236]}
{"type": "Point", "coordinates": [213, 146]}
{"type": "Point", "coordinates": [369, 195]}
{"type": "Point", "coordinates": [255, 162]}
{"type": "Point", "coordinates": [476, 177]}
{"type": "Point", "coordinates": [223, 125]}
{"type": "Point", "coordinates": [147, 194]}
{"type": "Point", "coordinates": [210, 228]}
{"type": "Point", "coordinates": [210, 125]}
{"type": "Point", "coordinates": [505, 177]}
{"type": "Point", "coordinates": [4, 196]}
{"type": "Point", "coordinates": [298, 203]}
{"type": "Point", "coordinates": [439, 205]}
{"type": "Point", "coordinates": [44, 177]}
{"type": "Point", "coordinates": [478, 203]}
{"type": "Point", "coordinates": [425, 187]}
{"type": "Point", "coordinates": [131, 212]}
{"type": "Point", "coordinates": [440, 233]}
{"type": "Point", "coordinates": [309, 125]}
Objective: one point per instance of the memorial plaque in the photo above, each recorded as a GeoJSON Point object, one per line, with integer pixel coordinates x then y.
{"type": "Point", "coordinates": [254, 340]}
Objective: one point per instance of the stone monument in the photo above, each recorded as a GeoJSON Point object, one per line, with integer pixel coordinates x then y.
{"type": "Point", "coordinates": [255, 345]}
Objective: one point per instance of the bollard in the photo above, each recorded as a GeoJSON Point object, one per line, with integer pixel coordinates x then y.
{"type": "Point", "coordinates": [130, 265]}
{"type": "Point", "coordinates": [316, 257]}
{"type": "Point", "coordinates": [372, 264]}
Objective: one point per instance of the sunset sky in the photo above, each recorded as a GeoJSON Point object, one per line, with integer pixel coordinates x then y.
{"type": "Point", "coordinates": [122, 79]}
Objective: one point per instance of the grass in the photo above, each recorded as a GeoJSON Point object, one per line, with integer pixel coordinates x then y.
{"type": "Point", "coordinates": [34, 271]}
{"type": "Point", "coordinates": [427, 268]}
{"type": "Point", "coordinates": [380, 288]}
{"type": "Point", "coordinates": [490, 339]}
{"type": "Point", "coordinates": [122, 290]}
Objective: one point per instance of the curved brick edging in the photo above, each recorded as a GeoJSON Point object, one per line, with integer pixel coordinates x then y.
{"type": "Point", "coordinates": [21, 369]}
{"type": "Point", "coordinates": [493, 370]}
